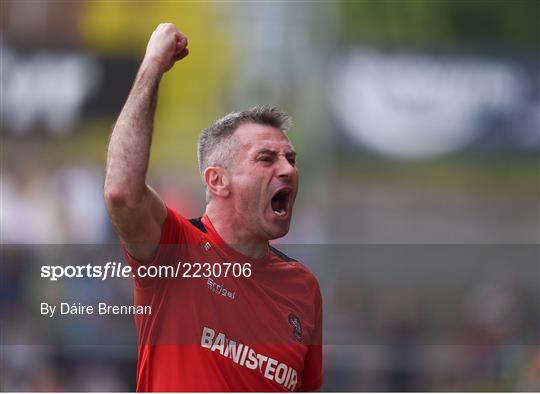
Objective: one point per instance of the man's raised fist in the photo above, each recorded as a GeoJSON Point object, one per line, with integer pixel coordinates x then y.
{"type": "Point", "coordinates": [166, 46]}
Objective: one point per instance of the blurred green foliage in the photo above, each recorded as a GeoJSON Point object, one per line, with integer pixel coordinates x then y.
{"type": "Point", "coordinates": [512, 24]}
{"type": "Point", "coordinates": [498, 173]}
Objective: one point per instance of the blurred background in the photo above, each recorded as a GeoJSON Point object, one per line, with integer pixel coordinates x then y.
{"type": "Point", "coordinates": [417, 122]}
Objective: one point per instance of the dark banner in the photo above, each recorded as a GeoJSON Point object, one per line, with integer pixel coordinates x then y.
{"type": "Point", "coordinates": [79, 295]}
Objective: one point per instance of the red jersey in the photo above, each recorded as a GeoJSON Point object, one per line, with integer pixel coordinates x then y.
{"type": "Point", "coordinates": [258, 328]}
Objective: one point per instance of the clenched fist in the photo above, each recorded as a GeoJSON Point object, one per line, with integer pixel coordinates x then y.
{"type": "Point", "coordinates": [166, 46]}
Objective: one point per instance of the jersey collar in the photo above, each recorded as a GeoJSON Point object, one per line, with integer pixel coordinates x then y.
{"type": "Point", "coordinates": [229, 249]}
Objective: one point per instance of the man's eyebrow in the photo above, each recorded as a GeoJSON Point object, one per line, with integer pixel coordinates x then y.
{"type": "Point", "coordinates": [266, 151]}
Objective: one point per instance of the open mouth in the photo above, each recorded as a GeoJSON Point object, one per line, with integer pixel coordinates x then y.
{"type": "Point", "coordinates": [280, 202]}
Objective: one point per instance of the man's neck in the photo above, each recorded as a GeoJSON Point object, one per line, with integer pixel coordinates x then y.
{"type": "Point", "coordinates": [234, 234]}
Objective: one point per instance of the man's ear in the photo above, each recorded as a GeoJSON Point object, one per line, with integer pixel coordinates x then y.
{"type": "Point", "coordinates": [217, 181]}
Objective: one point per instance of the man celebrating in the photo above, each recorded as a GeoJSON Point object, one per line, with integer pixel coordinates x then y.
{"type": "Point", "coordinates": [240, 315]}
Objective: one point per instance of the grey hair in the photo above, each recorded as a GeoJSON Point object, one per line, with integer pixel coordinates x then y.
{"type": "Point", "coordinates": [216, 145]}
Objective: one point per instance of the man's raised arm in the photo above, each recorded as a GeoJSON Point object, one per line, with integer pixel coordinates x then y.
{"type": "Point", "coordinates": [135, 209]}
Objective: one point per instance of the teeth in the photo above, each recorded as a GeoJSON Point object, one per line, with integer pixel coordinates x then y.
{"type": "Point", "coordinates": [281, 212]}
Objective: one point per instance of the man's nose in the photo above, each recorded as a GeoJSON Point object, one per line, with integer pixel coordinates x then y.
{"type": "Point", "coordinates": [285, 168]}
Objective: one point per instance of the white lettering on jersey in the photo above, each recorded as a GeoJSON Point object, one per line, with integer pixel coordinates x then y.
{"type": "Point", "coordinates": [243, 355]}
{"type": "Point", "coordinates": [281, 372]}
{"type": "Point", "coordinates": [219, 343]}
{"type": "Point", "coordinates": [270, 368]}
{"type": "Point", "coordinates": [233, 351]}
{"type": "Point", "coordinates": [220, 289]}
{"type": "Point", "coordinates": [252, 359]}
{"type": "Point", "coordinates": [206, 338]}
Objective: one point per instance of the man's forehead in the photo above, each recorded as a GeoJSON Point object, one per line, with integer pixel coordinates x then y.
{"type": "Point", "coordinates": [254, 136]}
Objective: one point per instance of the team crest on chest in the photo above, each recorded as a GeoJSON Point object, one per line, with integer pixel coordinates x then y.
{"type": "Point", "coordinates": [297, 327]}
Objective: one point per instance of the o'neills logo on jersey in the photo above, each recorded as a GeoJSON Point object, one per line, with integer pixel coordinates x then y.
{"type": "Point", "coordinates": [242, 354]}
